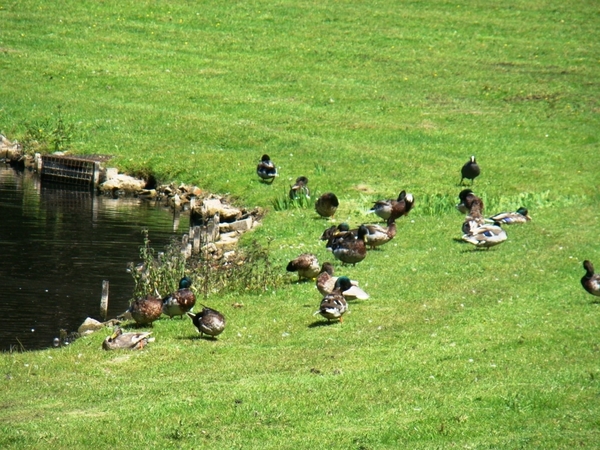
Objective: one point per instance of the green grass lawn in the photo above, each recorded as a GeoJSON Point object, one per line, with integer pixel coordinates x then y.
{"type": "Point", "coordinates": [455, 348]}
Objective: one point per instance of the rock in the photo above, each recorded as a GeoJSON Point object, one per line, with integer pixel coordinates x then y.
{"type": "Point", "coordinates": [88, 326]}
{"type": "Point", "coordinates": [122, 183]}
{"type": "Point", "coordinates": [238, 225]}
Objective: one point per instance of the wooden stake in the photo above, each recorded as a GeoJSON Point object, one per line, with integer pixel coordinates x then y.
{"type": "Point", "coordinates": [104, 300]}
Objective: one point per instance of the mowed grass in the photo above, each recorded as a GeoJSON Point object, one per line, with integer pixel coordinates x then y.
{"type": "Point", "coordinates": [456, 348]}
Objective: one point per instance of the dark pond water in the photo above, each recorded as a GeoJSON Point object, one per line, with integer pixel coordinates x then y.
{"type": "Point", "coordinates": [57, 244]}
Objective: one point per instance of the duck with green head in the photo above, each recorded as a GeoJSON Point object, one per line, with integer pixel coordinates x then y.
{"type": "Point", "coordinates": [326, 284]}
{"type": "Point", "coordinates": [181, 301]}
{"type": "Point", "coordinates": [334, 305]}
{"type": "Point", "coordinates": [486, 236]}
{"type": "Point", "coordinates": [521, 215]}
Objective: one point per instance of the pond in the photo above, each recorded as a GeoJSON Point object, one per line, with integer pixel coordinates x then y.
{"type": "Point", "coordinates": [57, 244]}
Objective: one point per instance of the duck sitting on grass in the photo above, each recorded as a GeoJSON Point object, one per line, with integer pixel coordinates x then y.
{"type": "Point", "coordinates": [327, 204]}
{"type": "Point", "coordinates": [486, 236]}
{"type": "Point", "coordinates": [181, 301]}
{"type": "Point", "coordinates": [307, 266]}
{"type": "Point", "coordinates": [299, 189]}
{"type": "Point", "coordinates": [208, 321]}
{"type": "Point", "coordinates": [591, 280]}
{"type": "Point", "coordinates": [126, 341]}
{"type": "Point", "coordinates": [326, 284]}
{"type": "Point", "coordinates": [334, 305]}
{"type": "Point", "coordinates": [521, 215]}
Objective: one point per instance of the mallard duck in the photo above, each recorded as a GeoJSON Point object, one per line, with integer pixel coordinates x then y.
{"type": "Point", "coordinates": [521, 215]}
{"type": "Point", "coordinates": [470, 170]}
{"type": "Point", "coordinates": [472, 223]}
{"type": "Point", "coordinates": [334, 305]}
{"type": "Point", "coordinates": [378, 235]}
{"type": "Point", "coordinates": [306, 265]}
{"type": "Point", "coordinates": [180, 301]}
{"type": "Point", "coordinates": [383, 208]}
{"type": "Point", "coordinates": [327, 204]}
{"type": "Point", "coordinates": [591, 280]}
{"type": "Point", "coordinates": [486, 236]}
{"type": "Point", "coordinates": [350, 249]}
{"type": "Point", "coordinates": [326, 284]}
{"type": "Point", "coordinates": [146, 310]}
{"type": "Point", "coordinates": [128, 341]}
{"type": "Point", "coordinates": [266, 169]}
{"type": "Point", "coordinates": [300, 188]}
{"type": "Point", "coordinates": [335, 233]}
{"type": "Point", "coordinates": [208, 321]}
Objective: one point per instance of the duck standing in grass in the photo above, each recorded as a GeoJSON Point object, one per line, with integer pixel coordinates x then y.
{"type": "Point", "coordinates": [181, 301]}
{"type": "Point", "coordinates": [591, 280]}
{"type": "Point", "coordinates": [307, 266]}
{"type": "Point", "coordinates": [266, 169]}
{"type": "Point", "coordinates": [384, 208]}
{"type": "Point", "coordinates": [470, 170]}
{"type": "Point", "coordinates": [378, 235]}
{"type": "Point", "coordinates": [146, 310]}
{"type": "Point", "coordinates": [300, 189]}
{"type": "Point", "coordinates": [126, 341]}
{"type": "Point", "coordinates": [327, 204]}
{"type": "Point", "coordinates": [334, 305]}
{"type": "Point", "coordinates": [486, 236]}
{"type": "Point", "coordinates": [350, 249]}
{"type": "Point", "coordinates": [208, 321]}
{"type": "Point", "coordinates": [326, 284]}
{"type": "Point", "coordinates": [334, 233]}
{"type": "Point", "coordinates": [521, 215]}
{"type": "Point", "coordinates": [471, 205]}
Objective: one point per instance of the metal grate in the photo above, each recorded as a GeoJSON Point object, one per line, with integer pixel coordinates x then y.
{"type": "Point", "coordinates": [71, 170]}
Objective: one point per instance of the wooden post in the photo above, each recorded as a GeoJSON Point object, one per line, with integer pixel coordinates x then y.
{"type": "Point", "coordinates": [104, 300]}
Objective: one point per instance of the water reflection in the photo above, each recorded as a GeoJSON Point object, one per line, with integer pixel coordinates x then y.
{"type": "Point", "coordinates": [57, 244]}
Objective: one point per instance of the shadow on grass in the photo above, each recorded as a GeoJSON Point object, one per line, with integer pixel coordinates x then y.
{"type": "Point", "coordinates": [323, 323]}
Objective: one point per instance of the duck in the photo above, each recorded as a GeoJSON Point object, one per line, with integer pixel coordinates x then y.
{"type": "Point", "coordinates": [326, 284]}
{"type": "Point", "coordinates": [266, 169]}
{"type": "Point", "coordinates": [402, 206]}
{"type": "Point", "coordinates": [486, 236]}
{"type": "Point", "coordinates": [470, 203]}
{"type": "Point", "coordinates": [521, 215]}
{"type": "Point", "coordinates": [307, 266]}
{"type": "Point", "coordinates": [126, 341]}
{"type": "Point", "coordinates": [591, 280]}
{"type": "Point", "coordinates": [470, 170]}
{"type": "Point", "coordinates": [334, 233]}
{"type": "Point", "coordinates": [327, 204]}
{"type": "Point", "coordinates": [349, 249]}
{"type": "Point", "coordinates": [300, 188]}
{"type": "Point", "coordinates": [146, 310]}
{"type": "Point", "coordinates": [334, 305]}
{"type": "Point", "coordinates": [383, 208]}
{"type": "Point", "coordinates": [181, 301]}
{"type": "Point", "coordinates": [208, 321]}
{"type": "Point", "coordinates": [378, 235]}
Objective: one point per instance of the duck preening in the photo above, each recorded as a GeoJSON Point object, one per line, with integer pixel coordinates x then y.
{"type": "Point", "coordinates": [180, 301]}
{"type": "Point", "coordinates": [470, 170]}
{"type": "Point", "coordinates": [307, 266]}
{"type": "Point", "coordinates": [327, 204]}
{"type": "Point", "coordinates": [208, 321]}
{"type": "Point", "coordinates": [146, 310]}
{"type": "Point", "coordinates": [351, 249]}
{"type": "Point", "coordinates": [334, 305]}
{"type": "Point", "coordinates": [396, 208]}
{"type": "Point", "coordinates": [266, 169]}
{"type": "Point", "coordinates": [591, 280]}
{"type": "Point", "coordinates": [378, 235]}
{"type": "Point", "coordinates": [126, 341]}
{"type": "Point", "coordinates": [326, 284]}
{"type": "Point", "coordinates": [300, 189]}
